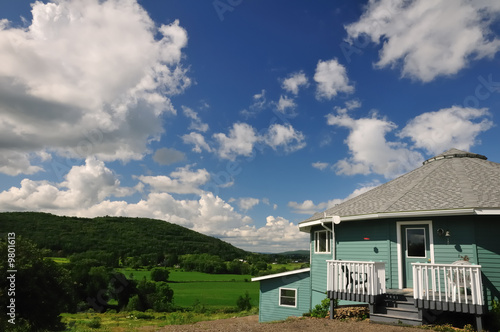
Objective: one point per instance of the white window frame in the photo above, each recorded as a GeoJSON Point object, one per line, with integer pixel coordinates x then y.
{"type": "Point", "coordinates": [294, 301]}
{"type": "Point", "coordinates": [400, 245]}
{"type": "Point", "coordinates": [328, 243]}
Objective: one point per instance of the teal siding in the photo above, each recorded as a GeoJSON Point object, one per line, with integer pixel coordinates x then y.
{"type": "Point", "coordinates": [318, 270]}
{"type": "Point", "coordinates": [488, 252]}
{"type": "Point", "coordinates": [367, 241]}
{"type": "Point", "coordinates": [269, 308]}
{"type": "Point", "coordinates": [461, 243]}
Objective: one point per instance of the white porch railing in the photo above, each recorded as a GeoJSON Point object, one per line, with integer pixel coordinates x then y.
{"type": "Point", "coordinates": [364, 278]}
{"type": "Point", "coordinates": [448, 283]}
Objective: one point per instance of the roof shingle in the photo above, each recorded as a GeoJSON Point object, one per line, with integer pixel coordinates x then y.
{"type": "Point", "coordinates": [454, 179]}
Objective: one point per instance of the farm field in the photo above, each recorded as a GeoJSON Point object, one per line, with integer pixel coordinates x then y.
{"type": "Point", "coordinates": [214, 291]}
{"type": "Point", "coordinates": [218, 294]}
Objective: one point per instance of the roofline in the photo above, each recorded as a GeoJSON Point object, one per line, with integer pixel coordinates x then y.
{"type": "Point", "coordinates": [306, 225]}
{"type": "Point", "coordinates": [277, 275]}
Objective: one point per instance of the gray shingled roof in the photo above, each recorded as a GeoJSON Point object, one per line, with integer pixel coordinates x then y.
{"type": "Point", "coordinates": [454, 179]}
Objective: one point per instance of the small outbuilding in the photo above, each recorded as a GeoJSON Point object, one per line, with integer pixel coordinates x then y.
{"type": "Point", "coordinates": [414, 248]}
{"type": "Point", "coordinates": [284, 294]}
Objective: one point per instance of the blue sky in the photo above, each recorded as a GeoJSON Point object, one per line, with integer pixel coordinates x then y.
{"type": "Point", "coordinates": [236, 118]}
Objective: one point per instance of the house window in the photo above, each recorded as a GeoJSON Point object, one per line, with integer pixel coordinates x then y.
{"type": "Point", "coordinates": [288, 297]}
{"type": "Point", "coordinates": [415, 242]}
{"type": "Point", "coordinates": [322, 242]}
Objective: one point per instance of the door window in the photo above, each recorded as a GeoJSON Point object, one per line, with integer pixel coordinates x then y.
{"type": "Point", "coordinates": [415, 242]}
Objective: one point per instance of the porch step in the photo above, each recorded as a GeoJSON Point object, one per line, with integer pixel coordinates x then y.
{"type": "Point", "coordinates": [396, 309]}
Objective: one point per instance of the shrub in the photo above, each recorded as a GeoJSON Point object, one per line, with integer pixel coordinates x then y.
{"type": "Point", "coordinates": [159, 274]}
{"type": "Point", "coordinates": [243, 302]}
{"type": "Point", "coordinates": [321, 310]}
{"type": "Point", "coordinates": [94, 323]}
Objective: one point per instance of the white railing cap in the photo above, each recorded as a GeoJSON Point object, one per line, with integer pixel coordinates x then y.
{"type": "Point", "coordinates": [446, 265]}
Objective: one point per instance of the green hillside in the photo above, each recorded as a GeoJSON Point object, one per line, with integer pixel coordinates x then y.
{"type": "Point", "coordinates": [125, 237]}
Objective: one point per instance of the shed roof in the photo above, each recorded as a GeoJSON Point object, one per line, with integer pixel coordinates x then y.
{"type": "Point", "coordinates": [454, 179]}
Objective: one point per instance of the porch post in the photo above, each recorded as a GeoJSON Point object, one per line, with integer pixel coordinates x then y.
{"type": "Point", "coordinates": [332, 307]}
{"type": "Point", "coordinates": [479, 322]}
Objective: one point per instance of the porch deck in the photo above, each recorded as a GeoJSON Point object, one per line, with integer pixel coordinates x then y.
{"type": "Point", "coordinates": [439, 287]}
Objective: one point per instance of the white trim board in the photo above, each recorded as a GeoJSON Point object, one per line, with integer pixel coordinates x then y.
{"type": "Point", "coordinates": [399, 245]}
{"type": "Point", "coordinates": [277, 275]}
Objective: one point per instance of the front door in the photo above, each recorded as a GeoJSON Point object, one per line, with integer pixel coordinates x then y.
{"type": "Point", "coordinates": [416, 249]}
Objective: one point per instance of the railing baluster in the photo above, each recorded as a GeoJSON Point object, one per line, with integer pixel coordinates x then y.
{"type": "Point", "coordinates": [447, 280]}
{"type": "Point", "coordinates": [364, 278]}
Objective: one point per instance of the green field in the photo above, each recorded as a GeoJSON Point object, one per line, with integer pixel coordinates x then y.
{"type": "Point", "coordinates": [60, 260]}
{"type": "Point", "coordinates": [288, 266]}
{"type": "Point", "coordinates": [214, 295]}
{"type": "Point", "coordinates": [137, 274]}
{"type": "Point", "coordinates": [213, 291]}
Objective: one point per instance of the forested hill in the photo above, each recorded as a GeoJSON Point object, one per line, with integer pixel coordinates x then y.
{"type": "Point", "coordinates": [125, 237]}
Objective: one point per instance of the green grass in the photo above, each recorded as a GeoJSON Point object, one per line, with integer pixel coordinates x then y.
{"type": "Point", "coordinates": [214, 291]}
{"type": "Point", "coordinates": [60, 260]}
{"type": "Point", "coordinates": [181, 276]}
{"type": "Point", "coordinates": [289, 266]}
{"type": "Point", "coordinates": [138, 274]}
{"type": "Point", "coordinates": [131, 321]}
{"type": "Point", "coordinates": [214, 294]}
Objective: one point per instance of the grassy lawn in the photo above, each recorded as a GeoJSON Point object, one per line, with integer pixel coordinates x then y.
{"type": "Point", "coordinates": [130, 321]}
{"type": "Point", "coordinates": [214, 294]}
{"type": "Point", "coordinates": [181, 276]}
{"type": "Point", "coordinates": [137, 274]}
{"type": "Point", "coordinates": [289, 266]}
{"type": "Point", "coordinates": [214, 291]}
{"type": "Point", "coordinates": [60, 260]}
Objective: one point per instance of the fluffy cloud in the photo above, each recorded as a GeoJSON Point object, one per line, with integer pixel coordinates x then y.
{"type": "Point", "coordinates": [370, 151]}
{"type": "Point", "coordinates": [181, 181]}
{"type": "Point", "coordinates": [447, 128]}
{"type": "Point", "coordinates": [196, 123]}
{"type": "Point", "coordinates": [277, 235]}
{"type": "Point", "coordinates": [86, 66]}
{"type": "Point", "coordinates": [331, 78]}
{"type": "Point", "coordinates": [15, 163]}
{"type": "Point", "coordinates": [247, 203]}
{"type": "Point", "coordinates": [294, 82]}
{"type": "Point", "coordinates": [83, 187]}
{"type": "Point", "coordinates": [166, 156]}
{"type": "Point", "coordinates": [285, 103]}
{"type": "Point", "coordinates": [308, 207]}
{"type": "Point", "coordinates": [320, 165]}
{"type": "Point", "coordinates": [198, 141]}
{"type": "Point", "coordinates": [284, 136]}
{"type": "Point", "coordinates": [429, 38]}
{"type": "Point", "coordinates": [240, 141]}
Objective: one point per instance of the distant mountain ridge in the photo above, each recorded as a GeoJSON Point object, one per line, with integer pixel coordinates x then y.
{"type": "Point", "coordinates": [126, 237]}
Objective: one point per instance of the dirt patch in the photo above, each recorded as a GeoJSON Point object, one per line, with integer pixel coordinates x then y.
{"type": "Point", "coordinates": [251, 323]}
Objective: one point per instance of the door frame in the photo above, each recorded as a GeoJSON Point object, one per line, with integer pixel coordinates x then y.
{"type": "Point", "coordinates": [399, 225]}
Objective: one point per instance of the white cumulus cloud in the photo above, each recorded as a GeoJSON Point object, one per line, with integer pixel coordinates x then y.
{"type": "Point", "coordinates": [455, 127]}
{"type": "Point", "coordinates": [369, 150]}
{"type": "Point", "coordinates": [285, 136]}
{"type": "Point", "coordinates": [182, 181]}
{"type": "Point", "coordinates": [197, 140]}
{"type": "Point", "coordinates": [308, 206]}
{"type": "Point", "coordinates": [331, 78]}
{"type": "Point", "coordinates": [86, 66]}
{"type": "Point", "coordinates": [429, 38]}
{"type": "Point", "coordinates": [240, 141]}
{"type": "Point", "coordinates": [293, 82]}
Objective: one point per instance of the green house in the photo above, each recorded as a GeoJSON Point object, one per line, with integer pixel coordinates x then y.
{"type": "Point", "coordinates": [414, 248]}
